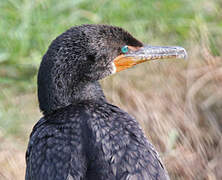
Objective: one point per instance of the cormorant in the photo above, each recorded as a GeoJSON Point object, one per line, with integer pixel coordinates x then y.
{"type": "Point", "coordinates": [81, 136]}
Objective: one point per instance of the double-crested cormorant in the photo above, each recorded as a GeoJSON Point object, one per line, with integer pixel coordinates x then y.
{"type": "Point", "coordinates": [81, 135]}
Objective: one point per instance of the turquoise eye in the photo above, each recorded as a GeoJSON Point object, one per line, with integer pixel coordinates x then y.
{"type": "Point", "coordinates": [124, 49]}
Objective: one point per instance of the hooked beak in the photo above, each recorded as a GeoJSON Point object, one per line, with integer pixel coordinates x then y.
{"type": "Point", "coordinates": [148, 53]}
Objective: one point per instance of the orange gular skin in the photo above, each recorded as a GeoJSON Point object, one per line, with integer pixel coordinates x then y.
{"type": "Point", "coordinates": [121, 62]}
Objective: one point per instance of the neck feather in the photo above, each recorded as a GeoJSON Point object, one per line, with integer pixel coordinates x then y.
{"type": "Point", "coordinates": [50, 98]}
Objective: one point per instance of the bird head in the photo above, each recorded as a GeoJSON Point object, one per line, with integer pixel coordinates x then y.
{"type": "Point", "coordinates": [101, 50]}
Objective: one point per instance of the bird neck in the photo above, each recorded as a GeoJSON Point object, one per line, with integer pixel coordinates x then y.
{"type": "Point", "coordinates": [51, 100]}
{"type": "Point", "coordinates": [91, 91]}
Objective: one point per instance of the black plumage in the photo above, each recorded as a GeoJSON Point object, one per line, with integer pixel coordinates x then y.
{"type": "Point", "coordinates": [81, 135]}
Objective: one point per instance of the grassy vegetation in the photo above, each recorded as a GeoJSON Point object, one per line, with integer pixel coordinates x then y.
{"type": "Point", "coordinates": [178, 103]}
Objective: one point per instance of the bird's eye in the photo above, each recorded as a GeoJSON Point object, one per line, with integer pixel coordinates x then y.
{"type": "Point", "coordinates": [124, 49]}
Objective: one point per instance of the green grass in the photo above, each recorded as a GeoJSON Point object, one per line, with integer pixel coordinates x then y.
{"type": "Point", "coordinates": [27, 27]}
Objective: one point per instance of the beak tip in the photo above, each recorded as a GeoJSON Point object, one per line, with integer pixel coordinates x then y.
{"type": "Point", "coordinates": [182, 53]}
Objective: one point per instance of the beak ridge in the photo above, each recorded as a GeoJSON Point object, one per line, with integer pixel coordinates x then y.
{"type": "Point", "coordinates": [158, 52]}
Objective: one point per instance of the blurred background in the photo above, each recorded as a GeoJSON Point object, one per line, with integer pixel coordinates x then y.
{"type": "Point", "coordinates": [177, 102]}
